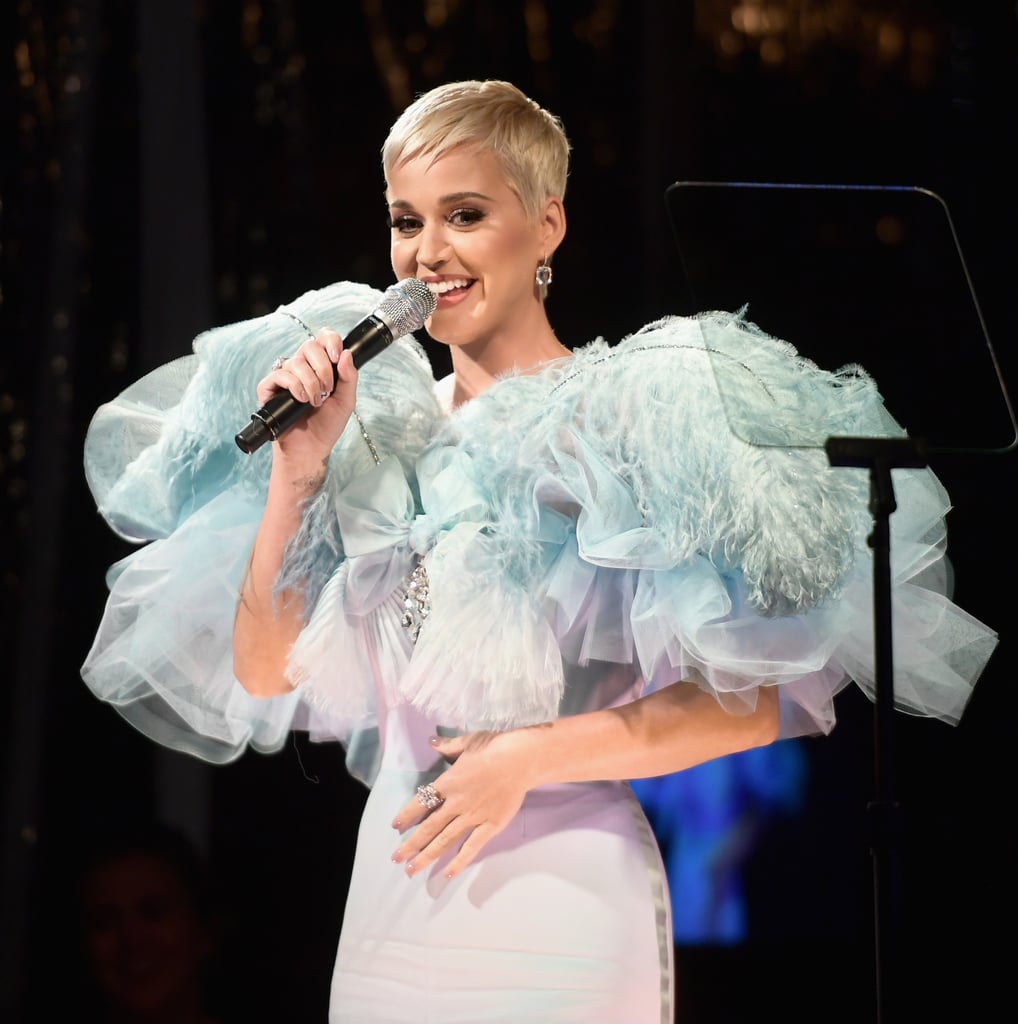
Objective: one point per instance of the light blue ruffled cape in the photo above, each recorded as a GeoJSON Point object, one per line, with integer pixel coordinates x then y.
{"type": "Point", "coordinates": [597, 513]}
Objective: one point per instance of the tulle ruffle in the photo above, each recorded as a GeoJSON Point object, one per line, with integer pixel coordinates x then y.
{"type": "Point", "coordinates": [162, 655]}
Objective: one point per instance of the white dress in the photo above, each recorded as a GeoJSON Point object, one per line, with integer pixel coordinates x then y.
{"type": "Point", "coordinates": [564, 916]}
{"type": "Point", "coordinates": [584, 535]}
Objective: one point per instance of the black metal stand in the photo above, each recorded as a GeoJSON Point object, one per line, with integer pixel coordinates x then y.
{"type": "Point", "coordinates": [880, 456]}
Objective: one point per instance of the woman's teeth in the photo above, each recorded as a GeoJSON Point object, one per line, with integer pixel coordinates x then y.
{"type": "Point", "coordinates": [440, 287]}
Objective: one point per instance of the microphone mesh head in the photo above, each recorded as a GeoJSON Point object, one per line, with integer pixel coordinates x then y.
{"type": "Point", "coordinates": [406, 306]}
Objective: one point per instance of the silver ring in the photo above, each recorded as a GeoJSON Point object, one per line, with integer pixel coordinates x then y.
{"type": "Point", "coordinates": [277, 363]}
{"type": "Point", "coordinates": [430, 797]}
{"type": "Point", "coordinates": [325, 394]}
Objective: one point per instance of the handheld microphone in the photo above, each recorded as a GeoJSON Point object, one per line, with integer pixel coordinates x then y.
{"type": "Point", "coordinates": [404, 308]}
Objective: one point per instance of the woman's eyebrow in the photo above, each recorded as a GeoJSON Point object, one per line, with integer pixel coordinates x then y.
{"type": "Point", "coordinates": [452, 197]}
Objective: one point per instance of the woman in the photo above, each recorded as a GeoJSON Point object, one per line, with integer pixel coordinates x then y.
{"type": "Point", "coordinates": [150, 929]}
{"type": "Point", "coordinates": [507, 593]}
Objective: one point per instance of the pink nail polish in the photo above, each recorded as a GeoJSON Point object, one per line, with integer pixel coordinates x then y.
{"type": "Point", "coordinates": [434, 740]}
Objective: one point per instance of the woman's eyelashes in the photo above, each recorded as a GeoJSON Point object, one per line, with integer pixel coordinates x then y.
{"type": "Point", "coordinates": [404, 224]}
{"type": "Point", "coordinates": [407, 224]}
{"type": "Point", "coordinates": [465, 217]}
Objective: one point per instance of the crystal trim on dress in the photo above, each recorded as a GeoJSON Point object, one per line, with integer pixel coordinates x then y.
{"type": "Point", "coordinates": [416, 602]}
{"type": "Point", "coordinates": [367, 438]}
{"type": "Point", "coordinates": [297, 319]}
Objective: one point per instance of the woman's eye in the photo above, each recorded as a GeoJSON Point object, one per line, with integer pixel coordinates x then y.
{"type": "Point", "coordinates": [464, 218]}
{"type": "Point", "coordinates": [404, 225]}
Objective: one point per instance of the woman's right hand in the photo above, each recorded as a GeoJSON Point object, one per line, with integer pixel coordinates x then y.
{"type": "Point", "coordinates": [321, 372]}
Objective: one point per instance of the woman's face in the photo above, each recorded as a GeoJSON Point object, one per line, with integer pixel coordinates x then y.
{"type": "Point", "coordinates": [144, 937]}
{"type": "Point", "coordinates": [458, 227]}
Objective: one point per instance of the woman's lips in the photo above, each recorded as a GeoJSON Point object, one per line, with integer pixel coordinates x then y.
{"type": "Point", "coordinates": [452, 296]}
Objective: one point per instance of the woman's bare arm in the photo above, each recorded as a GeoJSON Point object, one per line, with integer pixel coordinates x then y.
{"type": "Point", "coordinates": [267, 624]}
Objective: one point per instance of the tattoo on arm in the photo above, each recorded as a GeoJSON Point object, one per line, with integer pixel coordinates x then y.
{"type": "Point", "coordinates": [311, 483]}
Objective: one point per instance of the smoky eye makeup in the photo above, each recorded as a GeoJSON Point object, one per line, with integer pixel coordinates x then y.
{"type": "Point", "coordinates": [465, 216]}
{"type": "Point", "coordinates": [402, 222]}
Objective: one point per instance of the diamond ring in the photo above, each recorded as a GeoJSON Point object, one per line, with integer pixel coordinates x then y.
{"type": "Point", "coordinates": [430, 797]}
{"type": "Point", "coordinates": [278, 362]}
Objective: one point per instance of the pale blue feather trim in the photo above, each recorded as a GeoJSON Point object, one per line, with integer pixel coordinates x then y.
{"type": "Point", "coordinates": [646, 418]}
{"type": "Point", "coordinates": [166, 444]}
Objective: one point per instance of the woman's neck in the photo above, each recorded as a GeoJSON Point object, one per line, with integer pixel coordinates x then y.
{"type": "Point", "coordinates": [477, 366]}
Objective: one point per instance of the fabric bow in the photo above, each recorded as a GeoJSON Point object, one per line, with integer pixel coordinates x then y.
{"type": "Point", "coordinates": [384, 532]}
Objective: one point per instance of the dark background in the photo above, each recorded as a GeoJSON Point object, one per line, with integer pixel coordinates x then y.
{"type": "Point", "coordinates": [169, 166]}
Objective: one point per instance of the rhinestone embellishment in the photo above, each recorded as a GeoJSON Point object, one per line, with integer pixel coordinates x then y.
{"type": "Point", "coordinates": [416, 602]}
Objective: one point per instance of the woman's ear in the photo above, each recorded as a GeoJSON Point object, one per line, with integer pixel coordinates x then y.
{"type": "Point", "coordinates": [553, 225]}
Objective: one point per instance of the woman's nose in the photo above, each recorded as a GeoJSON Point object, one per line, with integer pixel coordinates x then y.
{"type": "Point", "coordinates": [434, 248]}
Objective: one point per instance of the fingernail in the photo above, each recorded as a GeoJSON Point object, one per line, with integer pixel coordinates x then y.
{"type": "Point", "coordinates": [334, 354]}
{"type": "Point", "coordinates": [397, 823]}
{"type": "Point", "coordinates": [434, 740]}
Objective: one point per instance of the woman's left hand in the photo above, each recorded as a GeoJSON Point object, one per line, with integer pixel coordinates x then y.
{"type": "Point", "coordinates": [480, 793]}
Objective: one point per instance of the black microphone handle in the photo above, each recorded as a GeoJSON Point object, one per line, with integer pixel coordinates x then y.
{"type": "Point", "coordinates": [366, 339]}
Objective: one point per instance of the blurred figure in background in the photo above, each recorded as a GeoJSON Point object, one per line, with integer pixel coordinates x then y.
{"type": "Point", "coordinates": [149, 930]}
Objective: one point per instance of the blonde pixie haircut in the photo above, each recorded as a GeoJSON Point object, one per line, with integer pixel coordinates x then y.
{"type": "Point", "coordinates": [528, 141]}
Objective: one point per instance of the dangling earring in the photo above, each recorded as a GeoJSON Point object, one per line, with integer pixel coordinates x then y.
{"type": "Point", "coordinates": [543, 275]}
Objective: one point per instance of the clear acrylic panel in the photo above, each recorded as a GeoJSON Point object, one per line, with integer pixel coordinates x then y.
{"type": "Point", "coordinates": [849, 274]}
